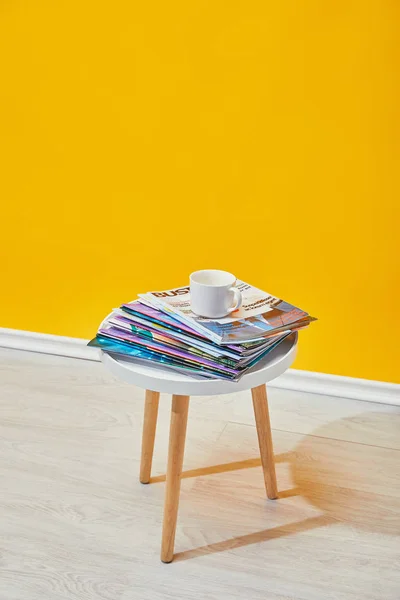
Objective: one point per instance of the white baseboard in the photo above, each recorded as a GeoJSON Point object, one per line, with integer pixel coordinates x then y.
{"type": "Point", "coordinates": [47, 344]}
{"type": "Point", "coordinates": [339, 386]}
{"type": "Point", "coordinates": [299, 381]}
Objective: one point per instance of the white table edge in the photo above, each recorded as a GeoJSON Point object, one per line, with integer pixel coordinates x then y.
{"type": "Point", "coordinates": [165, 381]}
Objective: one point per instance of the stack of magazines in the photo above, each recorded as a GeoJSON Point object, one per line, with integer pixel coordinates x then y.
{"type": "Point", "coordinates": [160, 329]}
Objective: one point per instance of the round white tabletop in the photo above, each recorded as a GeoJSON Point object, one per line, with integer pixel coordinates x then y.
{"type": "Point", "coordinates": [158, 379]}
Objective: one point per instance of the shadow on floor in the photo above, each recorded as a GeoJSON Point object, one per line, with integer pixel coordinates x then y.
{"type": "Point", "coordinates": [350, 482]}
{"type": "Point", "coordinates": [249, 463]}
{"type": "Point", "coordinates": [354, 482]}
{"type": "Point", "coordinates": [257, 537]}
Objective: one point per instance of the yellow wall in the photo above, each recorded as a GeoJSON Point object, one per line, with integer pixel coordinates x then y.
{"type": "Point", "coordinates": [143, 140]}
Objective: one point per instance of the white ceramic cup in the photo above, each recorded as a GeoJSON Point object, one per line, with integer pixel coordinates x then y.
{"type": "Point", "coordinates": [212, 293]}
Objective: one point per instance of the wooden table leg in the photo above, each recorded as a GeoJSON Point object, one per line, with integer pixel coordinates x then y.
{"type": "Point", "coordinates": [149, 434]}
{"type": "Point", "coordinates": [177, 435]}
{"type": "Point", "coordinates": [261, 413]}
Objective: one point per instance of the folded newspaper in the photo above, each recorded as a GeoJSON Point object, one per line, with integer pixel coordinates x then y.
{"type": "Point", "coordinates": [160, 329]}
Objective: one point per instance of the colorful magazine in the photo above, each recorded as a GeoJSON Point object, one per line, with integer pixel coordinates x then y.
{"type": "Point", "coordinates": [260, 315]}
{"type": "Point", "coordinates": [160, 329]}
{"type": "Point", "coordinates": [141, 356]}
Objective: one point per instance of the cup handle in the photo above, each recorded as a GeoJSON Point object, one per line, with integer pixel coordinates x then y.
{"type": "Point", "coordinates": [237, 296]}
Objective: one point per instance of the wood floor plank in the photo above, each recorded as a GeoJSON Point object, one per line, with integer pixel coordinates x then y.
{"type": "Point", "coordinates": [76, 523]}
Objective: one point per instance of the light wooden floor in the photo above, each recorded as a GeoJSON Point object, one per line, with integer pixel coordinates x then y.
{"type": "Point", "coordinates": [77, 524]}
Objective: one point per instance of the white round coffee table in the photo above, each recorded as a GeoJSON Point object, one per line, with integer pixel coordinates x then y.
{"type": "Point", "coordinates": [155, 380]}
